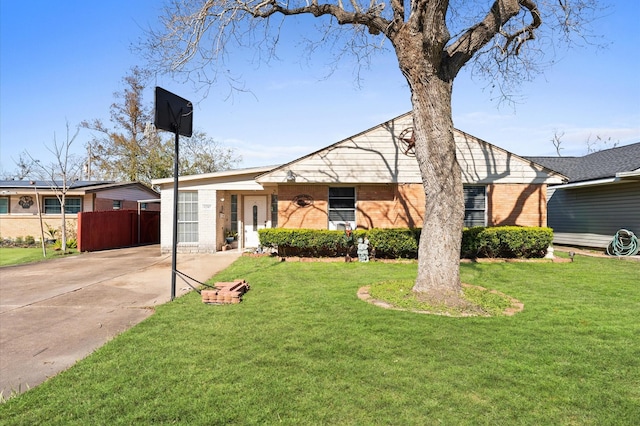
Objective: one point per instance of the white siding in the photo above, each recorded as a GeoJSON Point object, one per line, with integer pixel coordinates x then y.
{"type": "Point", "coordinates": [377, 156]}
{"type": "Point", "coordinates": [166, 221]}
{"type": "Point", "coordinates": [484, 163]}
{"type": "Point", "coordinates": [207, 208]}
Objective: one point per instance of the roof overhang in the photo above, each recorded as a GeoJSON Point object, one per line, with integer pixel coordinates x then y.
{"type": "Point", "coordinates": [619, 177]}
{"type": "Point", "coordinates": [632, 175]}
{"type": "Point", "coordinates": [252, 172]}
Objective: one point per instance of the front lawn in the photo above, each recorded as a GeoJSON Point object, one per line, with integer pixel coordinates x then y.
{"type": "Point", "coordinates": [19, 255]}
{"type": "Point", "coordinates": [303, 349]}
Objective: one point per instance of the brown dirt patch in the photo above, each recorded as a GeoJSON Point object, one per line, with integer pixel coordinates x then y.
{"type": "Point", "coordinates": [516, 305]}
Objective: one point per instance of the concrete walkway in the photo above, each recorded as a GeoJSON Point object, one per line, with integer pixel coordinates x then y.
{"type": "Point", "coordinates": [55, 313]}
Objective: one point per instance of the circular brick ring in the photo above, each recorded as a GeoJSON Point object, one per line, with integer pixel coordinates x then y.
{"type": "Point", "coordinates": [516, 305]}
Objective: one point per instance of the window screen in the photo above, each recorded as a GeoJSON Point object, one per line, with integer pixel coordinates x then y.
{"type": "Point", "coordinates": [474, 206]}
{"type": "Point", "coordinates": [342, 204]}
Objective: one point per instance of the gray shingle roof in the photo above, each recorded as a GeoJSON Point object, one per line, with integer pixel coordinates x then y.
{"type": "Point", "coordinates": [597, 165]}
{"type": "Point", "coordinates": [47, 184]}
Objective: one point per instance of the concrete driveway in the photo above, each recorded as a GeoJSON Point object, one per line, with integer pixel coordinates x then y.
{"type": "Point", "coordinates": [55, 313]}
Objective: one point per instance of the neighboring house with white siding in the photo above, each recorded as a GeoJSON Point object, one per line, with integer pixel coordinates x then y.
{"type": "Point", "coordinates": [20, 200]}
{"type": "Point", "coordinates": [368, 180]}
{"type": "Point", "coordinates": [601, 196]}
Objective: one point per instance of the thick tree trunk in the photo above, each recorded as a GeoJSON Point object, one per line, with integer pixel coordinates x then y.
{"type": "Point", "coordinates": [439, 252]}
{"type": "Point", "coordinates": [438, 277]}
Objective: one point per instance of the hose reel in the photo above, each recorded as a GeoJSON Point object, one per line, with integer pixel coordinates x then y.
{"type": "Point", "coordinates": [624, 243]}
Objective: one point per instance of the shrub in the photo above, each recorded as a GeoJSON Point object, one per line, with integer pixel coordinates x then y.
{"type": "Point", "coordinates": [513, 241]}
{"type": "Point", "coordinates": [72, 243]}
{"type": "Point", "coordinates": [395, 243]}
{"type": "Point", "coordinates": [29, 240]}
{"type": "Point", "coordinates": [309, 242]}
{"type": "Point", "coordinates": [471, 242]}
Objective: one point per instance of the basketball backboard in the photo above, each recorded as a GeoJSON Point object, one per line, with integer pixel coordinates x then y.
{"type": "Point", "coordinates": [173, 113]}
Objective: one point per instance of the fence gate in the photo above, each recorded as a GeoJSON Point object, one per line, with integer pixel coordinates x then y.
{"type": "Point", "coordinates": [117, 228]}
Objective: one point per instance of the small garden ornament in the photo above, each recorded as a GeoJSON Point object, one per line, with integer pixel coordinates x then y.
{"type": "Point", "coordinates": [363, 250]}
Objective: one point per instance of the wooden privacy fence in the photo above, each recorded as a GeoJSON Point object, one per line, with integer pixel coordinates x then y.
{"type": "Point", "coordinates": [117, 228]}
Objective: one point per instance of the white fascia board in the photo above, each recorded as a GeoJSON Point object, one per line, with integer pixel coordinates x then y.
{"type": "Point", "coordinates": [632, 174]}
{"type": "Point", "coordinates": [586, 183]}
{"type": "Point", "coordinates": [227, 173]}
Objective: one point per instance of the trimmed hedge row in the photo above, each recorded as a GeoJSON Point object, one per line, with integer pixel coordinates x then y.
{"type": "Point", "coordinates": [506, 241]}
{"type": "Point", "coordinates": [503, 241]}
{"type": "Point", "coordinates": [310, 242]}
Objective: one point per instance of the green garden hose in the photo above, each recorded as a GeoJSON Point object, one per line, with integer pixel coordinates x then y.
{"type": "Point", "coordinates": [624, 243]}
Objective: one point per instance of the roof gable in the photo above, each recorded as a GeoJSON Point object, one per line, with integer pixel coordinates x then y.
{"type": "Point", "coordinates": [378, 155]}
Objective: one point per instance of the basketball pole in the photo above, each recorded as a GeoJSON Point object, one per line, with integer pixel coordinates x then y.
{"type": "Point", "coordinates": [166, 105]}
{"type": "Point", "coordinates": [175, 218]}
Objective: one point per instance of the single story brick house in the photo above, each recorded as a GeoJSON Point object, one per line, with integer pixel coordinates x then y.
{"type": "Point", "coordinates": [601, 196]}
{"type": "Point", "coordinates": [20, 200]}
{"type": "Point", "coordinates": [367, 180]}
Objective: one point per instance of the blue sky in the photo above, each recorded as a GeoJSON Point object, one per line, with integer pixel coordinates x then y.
{"type": "Point", "coordinates": [62, 61]}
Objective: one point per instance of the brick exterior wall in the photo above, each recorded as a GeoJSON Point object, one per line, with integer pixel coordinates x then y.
{"type": "Point", "coordinates": [22, 226]}
{"type": "Point", "coordinates": [516, 204]}
{"type": "Point", "coordinates": [291, 215]}
{"type": "Point", "coordinates": [389, 206]}
{"type": "Point", "coordinates": [403, 205]}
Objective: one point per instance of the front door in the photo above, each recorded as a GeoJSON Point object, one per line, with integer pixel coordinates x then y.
{"type": "Point", "coordinates": [255, 217]}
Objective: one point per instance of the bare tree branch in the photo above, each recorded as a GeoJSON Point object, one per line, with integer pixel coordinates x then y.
{"type": "Point", "coordinates": [60, 174]}
{"type": "Point", "coordinates": [502, 43]}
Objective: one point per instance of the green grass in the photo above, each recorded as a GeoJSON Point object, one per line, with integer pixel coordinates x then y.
{"type": "Point", "coordinates": [303, 349]}
{"type": "Point", "coordinates": [16, 256]}
{"type": "Point", "coordinates": [478, 300]}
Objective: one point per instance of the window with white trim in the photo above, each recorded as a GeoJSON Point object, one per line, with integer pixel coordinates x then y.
{"type": "Point", "coordinates": [4, 205]}
{"type": "Point", "coordinates": [188, 217]}
{"type": "Point", "coordinates": [72, 205]}
{"type": "Point", "coordinates": [117, 204]}
{"type": "Point", "coordinates": [342, 205]}
{"type": "Point", "coordinates": [474, 206]}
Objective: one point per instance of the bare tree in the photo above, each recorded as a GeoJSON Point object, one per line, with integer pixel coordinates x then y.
{"type": "Point", "coordinates": [24, 166]}
{"type": "Point", "coordinates": [557, 141]}
{"type": "Point", "coordinates": [202, 154]}
{"type": "Point", "coordinates": [599, 143]}
{"type": "Point", "coordinates": [432, 41]}
{"type": "Point", "coordinates": [60, 174]}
